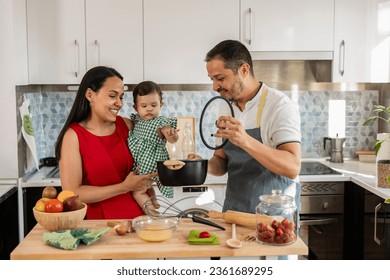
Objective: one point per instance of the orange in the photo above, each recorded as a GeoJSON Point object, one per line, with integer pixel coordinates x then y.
{"type": "Point", "coordinates": [40, 205]}
{"type": "Point", "coordinates": [64, 195]}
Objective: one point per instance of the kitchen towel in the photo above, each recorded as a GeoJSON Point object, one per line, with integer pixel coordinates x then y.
{"type": "Point", "coordinates": [29, 136]}
{"type": "Point", "coordinates": [69, 239]}
{"type": "Point", "coordinates": [194, 239]}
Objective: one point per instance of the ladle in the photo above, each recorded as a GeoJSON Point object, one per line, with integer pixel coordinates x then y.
{"type": "Point", "coordinates": [234, 242]}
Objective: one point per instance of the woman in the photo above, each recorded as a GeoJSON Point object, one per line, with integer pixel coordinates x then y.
{"type": "Point", "coordinates": [94, 158]}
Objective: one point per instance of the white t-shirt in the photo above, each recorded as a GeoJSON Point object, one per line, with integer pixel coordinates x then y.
{"type": "Point", "coordinates": [280, 119]}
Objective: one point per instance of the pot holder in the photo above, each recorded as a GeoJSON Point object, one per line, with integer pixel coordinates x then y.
{"type": "Point", "coordinates": [193, 239]}
{"type": "Point", "coordinates": [70, 239]}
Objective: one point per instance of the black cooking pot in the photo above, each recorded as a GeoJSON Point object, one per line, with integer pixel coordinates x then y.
{"type": "Point", "coordinates": [194, 172]}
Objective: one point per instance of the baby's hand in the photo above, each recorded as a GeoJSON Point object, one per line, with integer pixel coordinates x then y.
{"type": "Point", "coordinates": [169, 133]}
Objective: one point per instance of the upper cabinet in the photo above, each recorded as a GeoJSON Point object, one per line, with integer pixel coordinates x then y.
{"type": "Point", "coordinates": [114, 36]}
{"type": "Point", "coordinates": [179, 33]}
{"type": "Point", "coordinates": [56, 41]}
{"type": "Point", "coordinates": [67, 37]}
{"type": "Point", "coordinates": [362, 41]}
{"type": "Point", "coordinates": [166, 41]}
{"type": "Point", "coordinates": [288, 26]}
{"type": "Point", "coordinates": [20, 42]}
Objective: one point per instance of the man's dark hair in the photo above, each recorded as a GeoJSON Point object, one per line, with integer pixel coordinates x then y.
{"type": "Point", "coordinates": [232, 53]}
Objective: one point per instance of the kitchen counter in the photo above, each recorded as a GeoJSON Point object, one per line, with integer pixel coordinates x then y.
{"type": "Point", "coordinates": [361, 173]}
{"type": "Point", "coordinates": [129, 246]}
{"type": "Point", "coordinates": [41, 178]}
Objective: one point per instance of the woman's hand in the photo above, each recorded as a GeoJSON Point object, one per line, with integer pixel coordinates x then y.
{"type": "Point", "coordinates": [134, 182]}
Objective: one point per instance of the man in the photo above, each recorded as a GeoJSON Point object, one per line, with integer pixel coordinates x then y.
{"type": "Point", "coordinates": [264, 151]}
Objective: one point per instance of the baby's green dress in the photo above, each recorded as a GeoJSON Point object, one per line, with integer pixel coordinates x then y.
{"type": "Point", "coordinates": [146, 146]}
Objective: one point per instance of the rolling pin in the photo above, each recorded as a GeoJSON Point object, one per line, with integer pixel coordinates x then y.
{"type": "Point", "coordinates": [239, 218]}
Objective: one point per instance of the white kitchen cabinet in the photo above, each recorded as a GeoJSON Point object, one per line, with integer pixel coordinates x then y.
{"type": "Point", "coordinates": [67, 37]}
{"type": "Point", "coordinates": [179, 33]}
{"type": "Point", "coordinates": [8, 113]}
{"type": "Point", "coordinates": [114, 36]}
{"type": "Point", "coordinates": [20, 42]}
{"type": "Point", "coordinates": [56, 41]}
{"type": "Point", "coordinates": [288, 26]}
{"type": "Point", "coordinates": [362, 41]}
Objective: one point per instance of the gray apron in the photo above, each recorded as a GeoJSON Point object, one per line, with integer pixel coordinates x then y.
{"type": "Point", "coordinates": [248, 179]}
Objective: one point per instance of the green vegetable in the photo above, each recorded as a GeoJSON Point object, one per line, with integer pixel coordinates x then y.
{"type": "Point", "coordinates": [27, 125]}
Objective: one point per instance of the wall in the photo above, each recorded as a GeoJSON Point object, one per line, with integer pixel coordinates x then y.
{"type": "Point", "coordinates": [50, 109]}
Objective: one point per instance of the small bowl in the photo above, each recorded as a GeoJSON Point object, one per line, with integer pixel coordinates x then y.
{"type": "Point", "coordinates": [155, 230]}
{"type": "Point", "coordinates": [61, 220]}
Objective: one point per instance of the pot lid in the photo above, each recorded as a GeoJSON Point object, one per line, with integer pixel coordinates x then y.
{"type": "Point", "coordinates": [277, 198]}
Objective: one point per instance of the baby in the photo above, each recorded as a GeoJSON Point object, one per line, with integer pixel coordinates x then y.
{"type": "Point", "coordinates": [151, 132]}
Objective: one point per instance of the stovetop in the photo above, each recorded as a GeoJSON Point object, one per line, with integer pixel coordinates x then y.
{"type": "Point", "coordinates": [316, 168]}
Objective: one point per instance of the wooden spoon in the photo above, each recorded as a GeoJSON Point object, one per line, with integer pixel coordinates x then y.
{"type": "Point", "coordinates": [174, 164]}
{"type": "Point", "coordinates": [234, 242]}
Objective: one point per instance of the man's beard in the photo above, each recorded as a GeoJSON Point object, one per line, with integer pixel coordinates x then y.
{"type": "Point", "coordinates": [236, 90]}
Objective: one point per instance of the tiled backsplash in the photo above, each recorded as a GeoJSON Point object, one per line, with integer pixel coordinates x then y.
{"type": "Point", "coordinates": [50, 109]}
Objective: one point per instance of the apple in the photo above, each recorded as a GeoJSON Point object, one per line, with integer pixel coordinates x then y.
{"type": "Point", "coordinates": [72, 203]}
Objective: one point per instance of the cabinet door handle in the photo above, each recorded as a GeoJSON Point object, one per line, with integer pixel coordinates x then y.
{"type": "Point", "coordinates": [376, 239]}
{"type": "Point", "coordinates": [97, 60]}
{"type": "Point", "coordinates": [250, 26]}
{"type": "Point", "coordinates": [342, 58]}
{"type": "Point", "coordinates": [76, 53]}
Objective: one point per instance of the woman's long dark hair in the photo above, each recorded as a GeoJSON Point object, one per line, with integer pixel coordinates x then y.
{"type": "Point", "coordinates": [81, 109]}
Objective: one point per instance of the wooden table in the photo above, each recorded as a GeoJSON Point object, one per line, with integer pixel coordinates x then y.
{"type": "Point", "coordinates": [130, 246]}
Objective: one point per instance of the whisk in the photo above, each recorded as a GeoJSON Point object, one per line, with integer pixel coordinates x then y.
{"type": "Point", "coordinates": [167, 209]}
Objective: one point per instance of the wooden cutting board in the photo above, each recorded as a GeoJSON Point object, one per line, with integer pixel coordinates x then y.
{"type": "Point", "coordinates": [365, 152]}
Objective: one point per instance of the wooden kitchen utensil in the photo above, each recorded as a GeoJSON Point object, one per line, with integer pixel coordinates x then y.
{"type": "Point", "coordinates": [234, 242]}
{"type": "Point", "coordinates": [235, 217]}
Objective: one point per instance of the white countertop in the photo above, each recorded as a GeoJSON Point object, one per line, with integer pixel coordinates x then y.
{"type": "Point", "coordinates": [360, 173]}
{"type": "Point", "coordinates": [39, 179]}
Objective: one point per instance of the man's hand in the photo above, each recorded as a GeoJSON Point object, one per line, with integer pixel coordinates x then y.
{"type": "Point", "coordinates": [232, 129]}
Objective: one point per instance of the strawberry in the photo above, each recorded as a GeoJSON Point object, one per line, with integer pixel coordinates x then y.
{"type": "Point", "coordinates": [279, 231]}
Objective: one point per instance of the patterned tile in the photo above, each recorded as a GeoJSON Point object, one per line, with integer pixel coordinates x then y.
{"type": "Point", "coordinates": [50, 109]}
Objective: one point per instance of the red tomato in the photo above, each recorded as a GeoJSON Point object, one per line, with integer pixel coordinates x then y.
{"type": "Point", "coordinates": [204, 234]}
{"type": "Point", "coordinates": [54, 206]}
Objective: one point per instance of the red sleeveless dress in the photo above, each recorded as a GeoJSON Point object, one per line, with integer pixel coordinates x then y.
{"type": "Point", "coordinates": [107, 161]}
